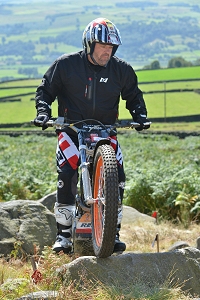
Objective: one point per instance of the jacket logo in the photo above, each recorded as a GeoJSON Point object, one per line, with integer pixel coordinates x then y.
{"type": "Point", "coordinates": [103, 80]}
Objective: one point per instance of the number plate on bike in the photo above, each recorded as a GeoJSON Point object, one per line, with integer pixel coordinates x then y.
{"type": "Point", "coordinates": [83, 227]}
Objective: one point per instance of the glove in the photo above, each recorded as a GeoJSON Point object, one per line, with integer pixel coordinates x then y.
{"type": "Point", "coordinates": [41, 120]}
{"type": "Point", "coordinates": [141, 119]}
{"type": "Point", "coordinates": [139, 116]}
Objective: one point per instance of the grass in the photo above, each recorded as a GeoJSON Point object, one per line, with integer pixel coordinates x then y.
{"type": "Point", "coordinates": [175, 127]}
{"type": "Point", "coordinates": [171, 104]}
{"type": "Point", "coordinates": [168, 74]}
{"type": "Point", "coordinates": [16, 92]}
{"type": "Point", "coordinates": [176, 105]}
{"type": "Point", "coordinates": [15, 280]}
{"type": "Point", "coordinates": [139, 236]}
{"type": "Point", "coordinates": [161, 104]}
{"type": "Point", "coordinates": [20, 83]}
{"type": "Point", "coordinates": [170, 86]}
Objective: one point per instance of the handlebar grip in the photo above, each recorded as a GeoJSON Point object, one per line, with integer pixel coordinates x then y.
{"type": "Point", "coordinates": [49, 123]}
{"type": "Point", "coordinates": [147, 123]}
{"type": "Point", "coordinates": [135, 124]}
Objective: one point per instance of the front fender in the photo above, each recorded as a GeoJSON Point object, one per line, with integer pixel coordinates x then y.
{"type": "Point", "coordinates": [99, 143]}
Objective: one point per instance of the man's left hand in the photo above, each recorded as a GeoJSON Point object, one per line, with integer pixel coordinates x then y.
{"type": "Point", "coordinates": [143, 121]}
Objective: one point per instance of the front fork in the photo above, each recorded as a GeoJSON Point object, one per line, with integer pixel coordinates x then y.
{"type": "Point", "coordinates": [87, 189]}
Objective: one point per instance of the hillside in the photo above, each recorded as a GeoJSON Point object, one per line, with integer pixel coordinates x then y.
{"type": "Point", "coordinates": [32, 36]}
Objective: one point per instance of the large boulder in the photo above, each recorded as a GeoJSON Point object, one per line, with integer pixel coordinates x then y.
{"type": "Point", "coordinates": [176, 269]}
{"type": "Point", "coordinates": [25, 224]}
{"type": "Point", "coordinates": [132, 215]}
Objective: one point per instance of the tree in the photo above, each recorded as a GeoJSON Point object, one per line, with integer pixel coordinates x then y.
{"type": "Point", "coordinates": [30, 72]}
{"type": "Point", "coordinates": [155, 65]}
{"type": "Point", "coordinates": [178, 62]}
{"type": "Point", "coordinates": [197, 62]}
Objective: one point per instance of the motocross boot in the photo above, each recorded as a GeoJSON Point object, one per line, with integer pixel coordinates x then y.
{"type": "Point", "coordinates": [64, 215]}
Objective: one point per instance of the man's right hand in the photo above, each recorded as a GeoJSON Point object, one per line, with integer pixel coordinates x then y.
{"type": "Point", "coordinates": [41, 120]}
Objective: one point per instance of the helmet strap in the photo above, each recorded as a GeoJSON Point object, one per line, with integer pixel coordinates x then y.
{"type": "Point", "coordinates": [92, 48]}
{"type": "Point", "coordinates": [91, 53]}
{"type": "Point", "coordinates": [94, 61]}
{"type": "Point", "coordinates": [114, 49]}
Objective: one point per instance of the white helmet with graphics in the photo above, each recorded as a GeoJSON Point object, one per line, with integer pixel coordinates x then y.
{"type": "Point", "coordinates": [100, 30]}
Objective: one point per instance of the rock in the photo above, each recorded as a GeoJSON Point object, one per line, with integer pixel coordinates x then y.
{"type": "Point", "coordinates": [26, 223]}
{"type": "Point", "coordinates": [7, 245]}
{"type": "Point", "coordinates": [42, 295]}
{"type": "Point", "coordinates": [198, 243]}
{"type": "Point", "coordinates": [179, 245]}
{"type": "Point", "coordinates": [49, 201]}
{"type": "Point", "coordinates": [181, 268]}
{"type": "Point", "coordinates": [131, 215]}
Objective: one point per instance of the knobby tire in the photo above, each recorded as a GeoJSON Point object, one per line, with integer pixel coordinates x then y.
{"type": "Point", "coordinates": [104, 214]}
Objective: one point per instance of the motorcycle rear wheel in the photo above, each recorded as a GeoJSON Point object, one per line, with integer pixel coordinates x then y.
{"type": "Point", "coordinates": [105, 208]}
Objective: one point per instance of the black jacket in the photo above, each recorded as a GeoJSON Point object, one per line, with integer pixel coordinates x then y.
{"type": "Point", "coordinates": [86, 91]}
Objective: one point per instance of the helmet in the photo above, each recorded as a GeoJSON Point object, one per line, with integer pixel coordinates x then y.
{"type": "Point", "coordinates": [100, 30]}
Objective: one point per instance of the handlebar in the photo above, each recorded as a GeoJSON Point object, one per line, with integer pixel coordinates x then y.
{"type": "Point", "coordinates": [59, 123]}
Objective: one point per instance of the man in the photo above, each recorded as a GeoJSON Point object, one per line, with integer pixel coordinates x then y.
{"type": "Point", "coordinates": [88, 85]}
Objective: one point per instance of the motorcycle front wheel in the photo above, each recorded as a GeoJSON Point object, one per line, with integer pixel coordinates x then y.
{"type": "Point", "coordinates": [105, 207]}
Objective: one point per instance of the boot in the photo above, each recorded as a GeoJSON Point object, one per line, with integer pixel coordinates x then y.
{"type": "Point", "coordinates": [119, 246]}
{"type": "Point", "coordinates": [64, 215]}
{"type": "Point", "coordinates": [62, 244]}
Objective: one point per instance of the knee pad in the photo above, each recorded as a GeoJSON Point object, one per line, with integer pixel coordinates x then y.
{"type": "Point", "coordinates": [64, 214]}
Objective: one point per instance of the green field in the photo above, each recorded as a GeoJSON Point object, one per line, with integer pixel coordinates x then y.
{"type": "Point", "coordinates": [160, 104]}
{"type": "Point", "coordinates": [168, 74]}
{"type": "Point", "coordinates": [177, 104]}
